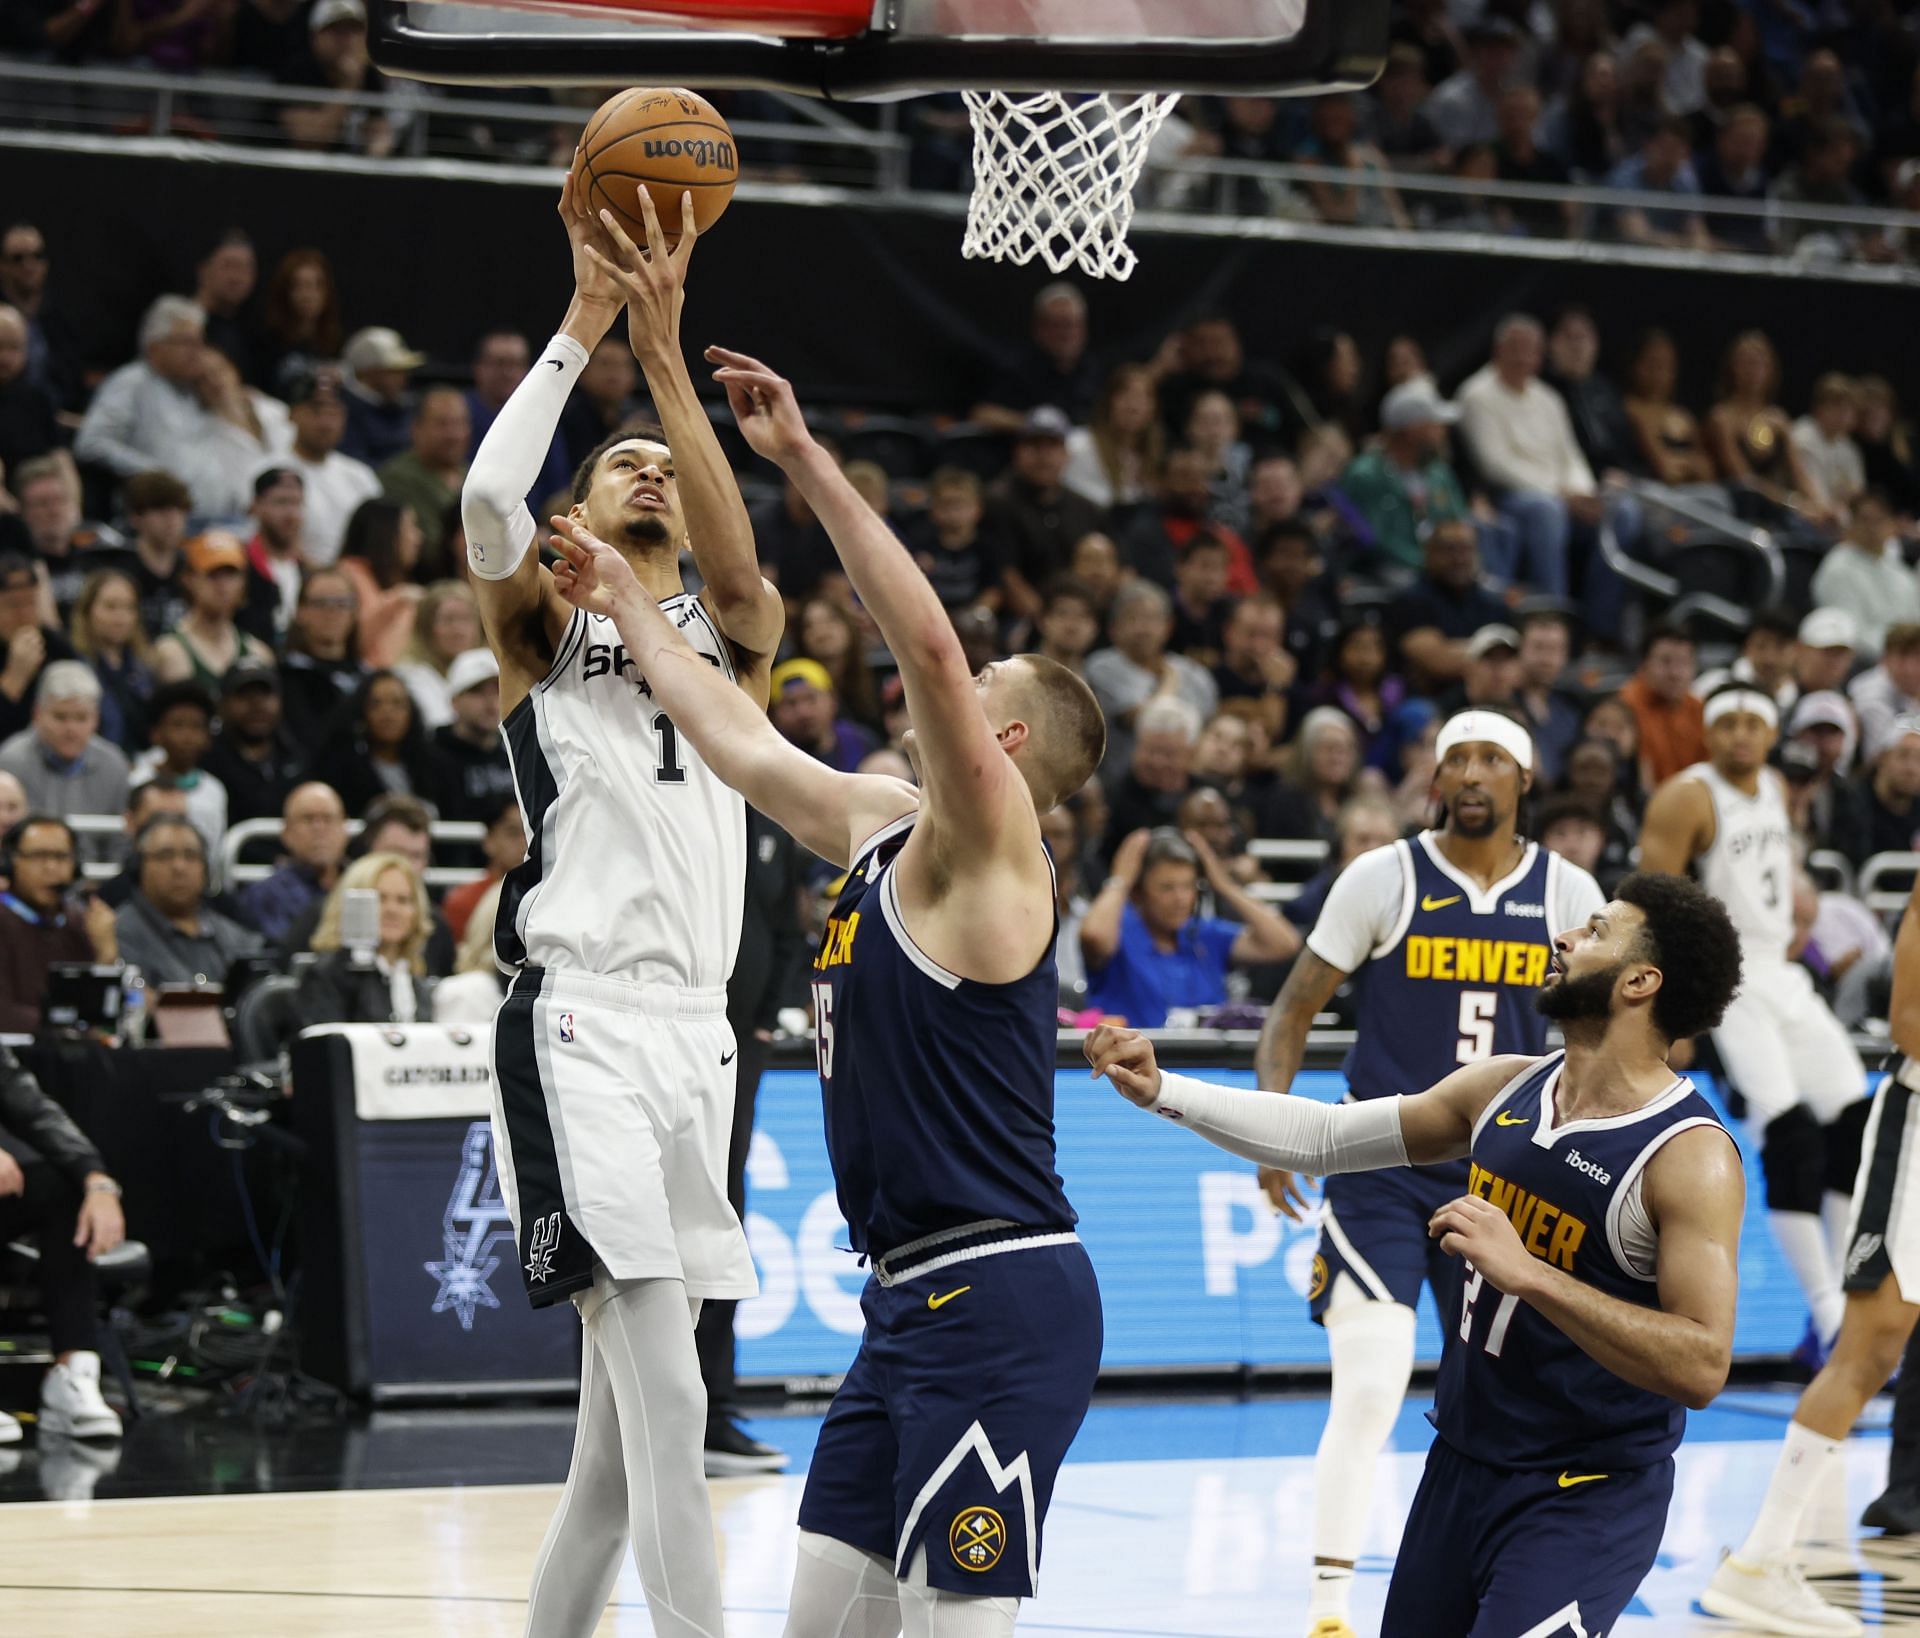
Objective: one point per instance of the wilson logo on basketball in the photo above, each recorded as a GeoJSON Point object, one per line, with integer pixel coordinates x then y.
{"type": "Point", "coordinates": [701, 150]}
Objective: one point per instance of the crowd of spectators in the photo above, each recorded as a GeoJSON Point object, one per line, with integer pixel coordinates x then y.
{"type": "Point", "coordinates": [1781, 105]}
{"type": "Point", "coordinates": [232, 588]}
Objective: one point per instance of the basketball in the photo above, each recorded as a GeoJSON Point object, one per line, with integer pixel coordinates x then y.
{"type": "Point", "coordinates": [669, 142]}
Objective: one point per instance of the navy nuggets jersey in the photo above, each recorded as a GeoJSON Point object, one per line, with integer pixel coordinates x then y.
{"type": "Point", "coordinates": [1514, 1390]}
{"type": "Point", "coordinates": [1454, 979]}
{"type": "Point", "coordinates": [938, 1090]}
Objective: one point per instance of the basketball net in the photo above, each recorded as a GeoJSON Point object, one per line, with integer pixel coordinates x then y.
{"type": "Point", "coordinates": [1053, 176]}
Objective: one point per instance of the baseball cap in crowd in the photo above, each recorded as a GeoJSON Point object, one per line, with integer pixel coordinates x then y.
{"type": "Point", "coordinates": [1044, 421]}
{"type": "Point", "coordinates": [1484, 641]}
{"type": "Point", "coordinates": [216, 549]}
{"type": "Point", "coordinates": [1416, 403]}
{"type": "Point", "coordinates": [378, 348]}
{"type": "Point", "coordinates": [471, 667]}
{"type": "Point", "coordinates": [329, 12]}
{"type": "Point", "coordinates": [304, 385]}
{"type": "Point", "coordinates": [251, 674]}
{"type": "Point", "coordinates": [1799, 762]}
{"type": "Point", "coordinates": [808, 673]}
{"type": "Point", "coordinates": [1824, 709]}
{"type": "Point", "coordinates": [1830, 628]}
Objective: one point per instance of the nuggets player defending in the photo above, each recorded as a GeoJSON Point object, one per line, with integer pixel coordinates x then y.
{"type": "Point", "coordinates": [613, 1092]}
{"type": "Point", "coordinates": [1597, 1236]}
{"type": "Point", "coordinates": [1450, 935]}
{"type": "Point", "coordinates": [934, 995]}
{"type": "Point", "coordinates": [1783, 1049]}
{"type": "Point", "coordinates": [1758, 1586]}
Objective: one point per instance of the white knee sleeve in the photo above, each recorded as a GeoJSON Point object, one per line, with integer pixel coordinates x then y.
{"type": "Point", "coordinates": [932, 1612]}
{"type": "Point", "coordinates": [1372, 1347]}
{"type": "Point", "coordinates": [841, 1592]}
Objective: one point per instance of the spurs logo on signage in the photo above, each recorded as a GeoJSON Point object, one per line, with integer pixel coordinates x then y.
{"type": "Point", "coordinates": [476, 1222]}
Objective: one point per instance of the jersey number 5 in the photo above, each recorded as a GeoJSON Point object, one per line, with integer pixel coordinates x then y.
{"type": "Point", "coordinates": [1477, 1008]}
{"type": "Point", "coordinates": [1502, 1315]}
{"type": "Point", "coordinates": [823, 1028]}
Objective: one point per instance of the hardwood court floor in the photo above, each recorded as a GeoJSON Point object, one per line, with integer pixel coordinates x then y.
{"type": "Point", "coordinates": [1208, 1543]}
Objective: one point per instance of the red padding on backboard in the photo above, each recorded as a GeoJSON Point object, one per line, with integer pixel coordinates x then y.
{"type": "Point", "coordinates": [790, 19]}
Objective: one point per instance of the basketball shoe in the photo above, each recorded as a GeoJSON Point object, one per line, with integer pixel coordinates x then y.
{"type": "Point", "coordinates": [70, 1401]}
{"type": "Point", "coordinates": [1774, 1598]}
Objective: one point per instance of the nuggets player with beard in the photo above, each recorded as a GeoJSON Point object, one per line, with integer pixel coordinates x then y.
{"type": "Point", "coordinates": [934, 998]}
{"type": "Point", "coordinates": [613, 1085]}
{"type": "Point", "coordinates": [1597, 1234]}
{"type": "Point", "coordinates": [1448, 937]}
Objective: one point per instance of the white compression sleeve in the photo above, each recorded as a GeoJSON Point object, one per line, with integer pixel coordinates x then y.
{"type": "Point", "coordinates": [493, 501]}
{"type": "Point", "coordinates": [1297, 1134]}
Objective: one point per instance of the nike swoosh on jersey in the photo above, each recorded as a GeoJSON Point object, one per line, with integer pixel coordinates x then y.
{"type": "Point", "coordinates": [941, 1301]}
{"type": "Point", "coordinates": [1504, 1119]}
{"type": "Point", "coordinates": [1569, 1480]}
{"type": "Point", "coordinates": [1428, 902]}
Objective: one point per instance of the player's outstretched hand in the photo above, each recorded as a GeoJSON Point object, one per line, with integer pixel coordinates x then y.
{"type": "Point", "coordinates": [653, 280]}
{"type": "Point", "coordinates": [593, 284]}
{"type": "Point", "coordinates": [1482, 1233]}
{"type": "Point", "coordinates": [591, 575]}
{"type": "Point", "coordinates": [763, 404]}
{"type": "Point", "coordinates": [1285, 1191]}
{"type": "Point", "coordinates": [1125, 1057]}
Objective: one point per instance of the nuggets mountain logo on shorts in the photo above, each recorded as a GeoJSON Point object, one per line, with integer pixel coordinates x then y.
{"type": "Point", "coordinates": [977, 1538]}
{"type": "Point", "coordinates": [1318, 1282]}
{"type": "Point", "coordinates": [566, 1026]}
{"type": "Point", "coordinates": [543, 1244]}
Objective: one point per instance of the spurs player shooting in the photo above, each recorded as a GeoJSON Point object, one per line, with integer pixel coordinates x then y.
{"type": "Point", "coordinates": [1784, 1051]}
{"type": "Point", "coordinates": [1449, 935]}
{"type": "Point", "coordinates": [1598, 1235]}
{"type": "Point", "coordinates": [613, 1095]}
{"type": "Point", "coordinates": [1758, 1586]}
{"type": "Point", "coordinates": [935, 994]}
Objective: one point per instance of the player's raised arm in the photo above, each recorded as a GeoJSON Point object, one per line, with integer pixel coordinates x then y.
{"type": "Point", "coordinates": [1678, 826]}
{"type": "Point", "coordinates": [523, 614]}
{"type": "Point", "coordinates": [719, 531]}
{"type": "Point", "coordinates": [961, 764]}
{"type": "Point", "coordinates": [826, 811]}
{"type": "Point", "coordinates": [1303, 1134]}
{"type": "Point", "coordinates": [1695, 1194]}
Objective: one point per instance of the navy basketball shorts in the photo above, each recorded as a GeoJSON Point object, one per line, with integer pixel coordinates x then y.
{"type": "Point", "coordinates": [1500, 1552]}
{"type": "Point", "coordinates": [973, 1376]}
{"type": "Point", "coordinates": [1373, 1229]}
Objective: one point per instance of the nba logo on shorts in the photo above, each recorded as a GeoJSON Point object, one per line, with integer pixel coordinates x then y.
{"type": "Point", "coordinates": [566, 1026]}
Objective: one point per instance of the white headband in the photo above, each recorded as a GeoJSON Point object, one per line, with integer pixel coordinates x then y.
{"type": "Point", "coordinates": [1749, 700]}
{"type": "Point", "coordinates": [1490, 728]}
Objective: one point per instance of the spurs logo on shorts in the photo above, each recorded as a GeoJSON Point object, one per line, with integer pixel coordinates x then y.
{"type": "Point", "coordinates": [543, 1242]}
{"type": "Point", "coordinates": [1864, 1249]}
{"type": "Point", "coordinates": [977, 1538]}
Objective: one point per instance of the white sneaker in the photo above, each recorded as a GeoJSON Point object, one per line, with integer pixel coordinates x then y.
{"type": "Point", "coordinates": [1773, 1598]}
{"type": "Point", "coordinates": [70, 1401]}
{"type": "Point", "coordinates": [9, 1429]}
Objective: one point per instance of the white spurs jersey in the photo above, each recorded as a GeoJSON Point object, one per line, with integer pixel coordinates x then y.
{"type": "Point", "coordinates": [636, 862]}
{"type": "Point", "coordinates": [1750, 866]}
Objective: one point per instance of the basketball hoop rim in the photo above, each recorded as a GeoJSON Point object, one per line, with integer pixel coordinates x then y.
{"type": "Point", "coordinates": [1341, 45]}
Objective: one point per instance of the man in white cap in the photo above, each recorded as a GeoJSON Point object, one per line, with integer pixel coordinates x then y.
{"type": "Point", "coordinates": [1446, 937]}
{"type": "Point", "coordinates": [1726, 820]}
{"type": "Point", "coordinates": [472, 776]}
{"type": "Point", "coordinates": [377, 387]}
{"type": "Point", "coordinates": [1829, 639]}
{"type": "Point", "coordinates": [337, 59]}
{"type": "Point", "coordinates": [1405, 483]}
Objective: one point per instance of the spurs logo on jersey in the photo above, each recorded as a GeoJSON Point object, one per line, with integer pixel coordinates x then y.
{"type": "Point", "coordinates": [1749, 867]}
{"type": "Point", "coordinates": [635, 849]}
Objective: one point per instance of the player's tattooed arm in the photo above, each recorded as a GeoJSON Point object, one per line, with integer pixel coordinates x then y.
{"type": "Point", "coordinates": [1678, 826]}
{"type": "Point", "coordinates": [1696, 1196]}
{"type": "Point", "coordinates": [719, 533]}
